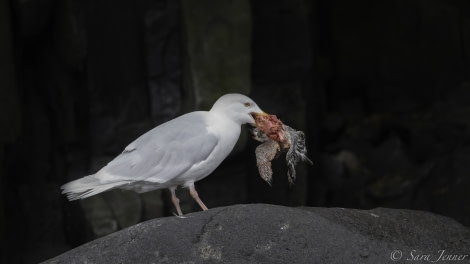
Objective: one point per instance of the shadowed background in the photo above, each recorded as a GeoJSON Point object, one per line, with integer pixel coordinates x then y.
{"type": "Point", "coordinates": [381, 89]}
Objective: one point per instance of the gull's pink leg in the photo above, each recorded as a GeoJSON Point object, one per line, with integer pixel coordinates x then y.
{"type": "Point", "coordinates": [195, 196]}
{"type": "Point", "coordinates": [175, 200]}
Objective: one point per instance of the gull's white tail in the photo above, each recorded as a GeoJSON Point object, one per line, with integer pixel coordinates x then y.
{"type": "Point", "coordinates": [86, 187]}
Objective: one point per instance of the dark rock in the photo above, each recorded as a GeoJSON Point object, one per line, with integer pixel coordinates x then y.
{"type": "Point", "coordinates": [163, 58]}
{"type": "Point", "coordinates": [281, 42]}
{"type": "Point", "coordinates": [42, 199]}
{"type": "Point", "coordinates": [33, 16]}
{"type": "Point", "coordinates": [218, 46]}
{"type": "Point", "coordinates": [70, 35]}
{"type": "Point", "coordinates": [166, 99]}
{"type": "Point", "coordinates": [260, 233]}
{"type": "Point", "coordinates": [10, 113]}
{"type": "Point", "coordinates": [333, 125]}
{"type": "Point", "coordinates": [456, 188]}
{"type": "Point", "coordinates": [334, 168]}
{"type": "Point", "coordinates": [389, 165]}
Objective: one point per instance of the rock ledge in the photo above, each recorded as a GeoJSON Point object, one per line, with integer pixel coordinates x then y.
{"type": "Point", "coordinates": [261, 233]}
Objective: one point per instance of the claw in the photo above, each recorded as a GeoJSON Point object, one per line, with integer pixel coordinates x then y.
{"type": "Point", "coordinates": [180, 216]}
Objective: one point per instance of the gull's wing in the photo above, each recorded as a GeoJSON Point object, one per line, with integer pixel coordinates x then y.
{"type": "Point", "coordinates": [164, 152]}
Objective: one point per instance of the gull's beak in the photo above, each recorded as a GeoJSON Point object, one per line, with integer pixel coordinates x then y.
{"type": "Point", "coordinates": [256, 114]}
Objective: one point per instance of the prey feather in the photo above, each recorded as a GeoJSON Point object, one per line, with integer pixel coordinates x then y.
{"type": "Point", "coordinates": [276, 138]}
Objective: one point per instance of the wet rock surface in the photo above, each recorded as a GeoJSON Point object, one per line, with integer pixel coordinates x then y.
{"type": "Point", "coordinates": [261, 233]}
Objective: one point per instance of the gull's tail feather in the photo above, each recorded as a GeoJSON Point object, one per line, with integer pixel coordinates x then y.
{"type": "Point", "coordinates": [86, 187]}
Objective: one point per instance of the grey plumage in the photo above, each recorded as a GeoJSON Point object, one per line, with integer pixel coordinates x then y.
{"type": "Point", "coordinates": [297, 151]}
{"type": "Point", "coordinates": [270, 149]}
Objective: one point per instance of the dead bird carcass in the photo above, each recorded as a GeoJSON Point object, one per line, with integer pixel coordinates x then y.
{"type": "Point", "coordinates": [277, 138]}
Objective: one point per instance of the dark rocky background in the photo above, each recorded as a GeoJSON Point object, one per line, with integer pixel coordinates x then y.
{"type": "Point", "coordinates": [381, 88]}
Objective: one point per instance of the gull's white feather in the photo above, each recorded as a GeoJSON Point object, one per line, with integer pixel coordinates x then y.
{"type": "Point", "coordinates": [178, 152]}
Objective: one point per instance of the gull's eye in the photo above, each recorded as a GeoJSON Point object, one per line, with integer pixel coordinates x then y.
{"type": "Point", "coordinates": [247, 104]}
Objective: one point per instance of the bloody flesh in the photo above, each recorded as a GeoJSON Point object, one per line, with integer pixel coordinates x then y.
{"type": "Point", "coordinates": [273, 128]}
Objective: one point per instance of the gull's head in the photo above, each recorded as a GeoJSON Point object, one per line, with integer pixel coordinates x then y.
{"type": "Point", "coordinates": [237, 107]}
